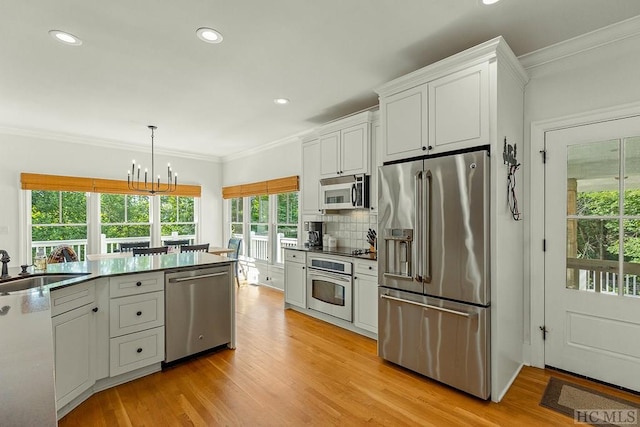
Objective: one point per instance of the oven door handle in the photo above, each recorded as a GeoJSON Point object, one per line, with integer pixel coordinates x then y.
{"type": "Point", "coordinates": [427, 306]}
{"type": "Point", "coordinates": [321, 273]}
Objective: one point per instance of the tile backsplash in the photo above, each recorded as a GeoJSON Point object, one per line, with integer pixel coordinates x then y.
{"type": "Point", "coordinates": [350, 227]}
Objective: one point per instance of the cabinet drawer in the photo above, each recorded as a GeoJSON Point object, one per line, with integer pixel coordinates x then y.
{"type": "Point", "coordinates": [71, 297]}
{"type": "Point", "coordinates": [135, 351]}
{"type": "Point", "coordinates": [133, 284]}
{"type": "Point", "coordinates": [135, 313]}
{"type": "Point", "coordinates": [367, 268]}
{"type": "Point", "coordinates": [295, 256]}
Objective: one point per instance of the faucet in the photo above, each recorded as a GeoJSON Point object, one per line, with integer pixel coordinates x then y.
{"type": "Point", "coordinates": [5, 260]}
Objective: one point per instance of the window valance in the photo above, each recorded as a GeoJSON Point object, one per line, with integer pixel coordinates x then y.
{"type": "Point", "coordinates": [272, 186]}
{"type": "Point", "coordinates": [34, 181]}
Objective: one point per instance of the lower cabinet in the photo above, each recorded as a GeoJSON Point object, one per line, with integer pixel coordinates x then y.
{"type": "Point", "coordinates": [295, 278]}
{"type": "Point", "coordinates": [74, 343]}
{"type": "Point", "coordinates": [365, 298]}
{"type": "Point", "coordinates": [136, 322]}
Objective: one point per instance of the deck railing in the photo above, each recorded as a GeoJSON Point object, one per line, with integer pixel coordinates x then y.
{"type": "Point", "coordinates": [603, 276]}
{"type": "Point", "coordinates": [259, 246]}
{"type": "Point", "coordinates": [107, 245]}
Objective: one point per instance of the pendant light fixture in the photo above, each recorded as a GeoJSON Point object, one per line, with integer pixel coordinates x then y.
{"type": "Point", "coordinates": [151, 186]}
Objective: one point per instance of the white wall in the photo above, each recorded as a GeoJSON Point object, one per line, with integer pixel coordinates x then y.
{"type": "Point", "coordinates": [278, 161]}
{"type": "Point", "coordinates": [605, 77]}
{"type": "Point", "coordinates": [38, 155]}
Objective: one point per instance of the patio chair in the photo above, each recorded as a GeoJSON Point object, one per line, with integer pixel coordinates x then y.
{"type": "Point", "coordinates": [236, 243]}
{"type": "Point", "coordinates": [195, 248]}
{"type": "Point", "coordinates": [150, 251]}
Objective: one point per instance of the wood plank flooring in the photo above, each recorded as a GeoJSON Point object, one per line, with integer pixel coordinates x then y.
{"type": "Point", "coordinates": [290, 369]}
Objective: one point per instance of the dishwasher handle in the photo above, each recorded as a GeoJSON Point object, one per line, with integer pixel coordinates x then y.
{"type": "Point", "coordinates": [202, 276]}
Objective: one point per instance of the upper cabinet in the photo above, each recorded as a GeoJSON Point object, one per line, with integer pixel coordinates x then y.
{"type": "Point", "coordinates": [311, 176]}
{"type": "Point", "coordinates": [459, 109]}
{"type": "Point", "coordinates": [449, 105]}
{"type": "Point", "coordinates": [404, 115]}
{"type": "Point", "coordinates": [345, 146]}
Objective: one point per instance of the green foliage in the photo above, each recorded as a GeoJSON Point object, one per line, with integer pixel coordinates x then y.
{"type": "Point", "coordinates": [599, 238]}
{"type": "Point", "coordinates": [65, 215]}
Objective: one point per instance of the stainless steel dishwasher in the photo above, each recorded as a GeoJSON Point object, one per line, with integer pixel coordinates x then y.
{"type": "Point", "coordinates": [197, 311]}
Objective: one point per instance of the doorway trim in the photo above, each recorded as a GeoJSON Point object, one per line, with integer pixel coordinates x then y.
{"type": "Point", "coordinates": [536, 216]}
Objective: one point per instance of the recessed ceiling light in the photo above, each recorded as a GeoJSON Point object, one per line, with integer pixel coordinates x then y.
{"type": "Point", "coordinates": [209, 35]}
{"type": "Point", "coordinates": [65, 38]}
{"type": "Point", "coordinates": [487, 2]}
{"type": "Point", "coordinates": [281, 101]}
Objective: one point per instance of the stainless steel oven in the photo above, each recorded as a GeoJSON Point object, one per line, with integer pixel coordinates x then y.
{"type": "Point", "coordinates": [329, 286]}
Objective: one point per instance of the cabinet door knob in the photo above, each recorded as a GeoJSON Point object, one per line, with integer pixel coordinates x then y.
{"type": "Point", "coordinates": [139, 313]}
{"type": "Point", "coordinates": [138, 283]}
{"type": "Point", "coordinates": [370, 268]}
{"type": "Point", "coordinates": [430, 147]}
{"type": "Point", "coordinates": [424, 148]}
{"type": "Point", "coordinates": [95, 309]}
{"type": "Point", "coordinates": [139, 350]}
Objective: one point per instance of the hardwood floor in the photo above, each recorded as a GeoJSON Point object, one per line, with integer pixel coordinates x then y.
{"type": "Point", "coordinates": [291, 369]}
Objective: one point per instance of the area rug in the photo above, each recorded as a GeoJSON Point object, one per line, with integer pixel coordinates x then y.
{"type": "Point", "coordinates": [589, 406]}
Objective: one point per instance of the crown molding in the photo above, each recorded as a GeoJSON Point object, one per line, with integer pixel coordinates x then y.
{"type": "Point", "coordinates": [249, 152]}
{"type": "Point", "coordinates": [104, 143]}
{"type": "Point", "coordinates": [582, 43]}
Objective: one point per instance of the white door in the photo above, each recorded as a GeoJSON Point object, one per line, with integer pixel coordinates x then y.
{"type": "Point", "coordinates": [592, 258]}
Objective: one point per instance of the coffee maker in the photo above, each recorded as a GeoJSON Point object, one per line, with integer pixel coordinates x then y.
{"type": "Point", "coordinates": [314, 234]}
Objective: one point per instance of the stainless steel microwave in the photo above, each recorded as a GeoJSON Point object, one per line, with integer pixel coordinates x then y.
{"type": "Point", "coordinates": [345, 192]}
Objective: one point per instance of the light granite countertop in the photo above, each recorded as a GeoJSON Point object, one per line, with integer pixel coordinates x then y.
{"type": "Point", "coordinates": [27, 389]}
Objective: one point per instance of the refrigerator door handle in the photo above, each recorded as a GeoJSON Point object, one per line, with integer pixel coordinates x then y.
{"type": "Point", "coordinates": [417, 197]}
{"type": "Point", "coordinates": [425, 236]}
{"type": "Point", "coordinates": [427, 306]}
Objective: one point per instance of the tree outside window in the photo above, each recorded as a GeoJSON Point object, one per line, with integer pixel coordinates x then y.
{"type": "Point", "coordinates": [287, 223]}
{"type": "Point", "coordinates": [58, 217]}
{"type": "Point", "coordinates": [177, 217]}
{"type": "Point", "coordinates": [259, 227]}
{"type": "Point", "coordinates": [237, 220]}
{"type": "Point", "coordinates": [125, 218]}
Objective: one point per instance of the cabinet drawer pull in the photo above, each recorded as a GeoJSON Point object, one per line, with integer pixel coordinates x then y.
{"type": "Point", "coordinates": [139, 313]}
{"type": "Point", "coordinates": [139, 350]}
{"type": "Point", "coordinates": [138, 283]}
{"type": "Point", "coordinates": [95, 309]}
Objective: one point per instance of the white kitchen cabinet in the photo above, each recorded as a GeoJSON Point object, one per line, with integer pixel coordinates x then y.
{"type": "Point", "coordinates": [136, 322]}
{"type": "Point", "coordinates": [403, 118]}
{"type": "Point", "coordinates": [459, 109]}
{"type": "Point", "coordinates": [311, 177]}
{"type": "Point", "coordinates": [345, 145]}
{"type": "Point", "coordinates": [74, 351]}
{"type": "Point", "coordinates": [376, 160]}
{"type": "Point", "coordinates": [295, 278]}
{"type": "Point", "coordinates": [365, 301]}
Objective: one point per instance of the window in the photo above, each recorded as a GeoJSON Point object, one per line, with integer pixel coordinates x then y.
{"type": "Point", "coordinates": [286, 223]}
{"type": "Point", "coordinates": [259, 227]}
{"type": "Point", "coordinates": [237, 219]}
{"type": "Point", "coordinates": [270, 226]}
{"type": "Point", "coordinates": [177, 218]}
{"type": "Point", "coordinates": [124, 218]}
{"type": "Point", "coordinates": [59, 217]}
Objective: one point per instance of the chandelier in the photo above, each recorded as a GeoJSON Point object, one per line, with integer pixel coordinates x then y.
{"type": "Point", "coordinates": [150, 186]}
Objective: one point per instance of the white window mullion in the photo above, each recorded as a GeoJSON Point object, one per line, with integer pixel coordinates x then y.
{"type": "Point", "coordinates": [154, 215]}
{"type": "Point", "coordinates": [94, 236]}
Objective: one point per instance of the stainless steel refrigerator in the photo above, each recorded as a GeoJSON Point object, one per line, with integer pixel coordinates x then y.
{"type": "Point", "coordinates": [433, 255]}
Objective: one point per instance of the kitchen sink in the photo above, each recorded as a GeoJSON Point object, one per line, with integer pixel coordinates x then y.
{"type": "Point", "coordinates": [34, 282]}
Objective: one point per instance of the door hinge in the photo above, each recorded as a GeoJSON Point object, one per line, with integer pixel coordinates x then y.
{"type": "Point", "coordinates": [544, 156]}
{"type": "Point", "coordinates": [544, 245]}
{"type": "Point", "coordinates": [544, 330]}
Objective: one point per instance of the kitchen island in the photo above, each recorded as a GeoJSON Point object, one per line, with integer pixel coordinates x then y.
{"type": "Point", "coordinates": [29, 391]}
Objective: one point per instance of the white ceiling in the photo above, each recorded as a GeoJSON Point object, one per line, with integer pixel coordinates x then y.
{"type": "Point", "coordinates": [141, 63]}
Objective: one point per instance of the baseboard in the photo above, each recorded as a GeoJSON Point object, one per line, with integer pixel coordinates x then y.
{"type": "Point", "coordinates": [508, 385]}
